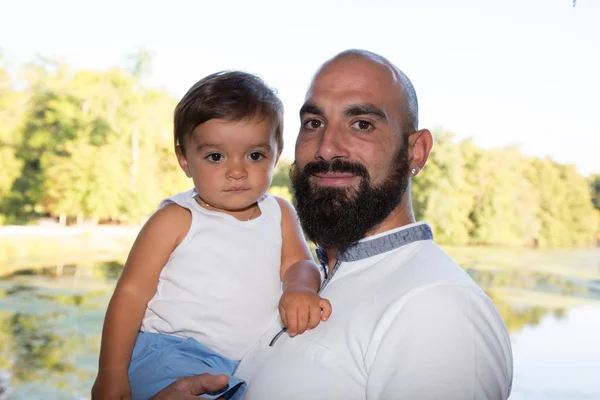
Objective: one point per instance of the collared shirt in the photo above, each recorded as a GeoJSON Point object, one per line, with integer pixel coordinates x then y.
{"type": "Point", "coordinates": [407, 323]}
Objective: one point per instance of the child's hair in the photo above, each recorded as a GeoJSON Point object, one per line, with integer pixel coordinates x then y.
{"type": "Point", "coordinates": [228, 95]}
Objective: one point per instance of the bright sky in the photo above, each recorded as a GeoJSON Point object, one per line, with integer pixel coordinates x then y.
{"type": "Point", "coordinates": [504, 72]}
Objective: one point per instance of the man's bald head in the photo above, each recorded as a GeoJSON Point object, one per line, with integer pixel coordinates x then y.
{"type": "Point", "coordinates": [404, 85]}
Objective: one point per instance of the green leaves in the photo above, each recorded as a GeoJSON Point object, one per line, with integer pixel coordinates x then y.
{"type": "Point", "coordinates": [471, 195]}
{"type": "Point", "coordinates": [97, 145]}
{"type": "Point", "coordinates": [93, 145]}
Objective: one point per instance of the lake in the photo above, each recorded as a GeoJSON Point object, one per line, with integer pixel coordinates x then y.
{"type": "Point", "coordinates": [51, 319]}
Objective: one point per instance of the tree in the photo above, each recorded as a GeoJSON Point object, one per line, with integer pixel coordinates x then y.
{"type": "Point", "coordinates": [281, 176]}
{"type": "Point", "coordinates": [595, 189]}
{"type": "Point", "coordinates": [441, 193]}
{"type": "Point", "coordinates": [96, 145]}
{"type": "Point", "coordinates": [12, 105]}
{"type": "Point", "coordinates": [504, 210]}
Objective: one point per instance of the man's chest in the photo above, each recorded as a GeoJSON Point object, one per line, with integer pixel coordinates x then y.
{"type": "Point", "coordinates": [303, 368]}
{"type": "Point", "coordinates": [329, 362]}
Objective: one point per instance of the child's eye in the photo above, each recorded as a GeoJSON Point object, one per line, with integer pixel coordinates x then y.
{"type": "Point", "coordinates": [214, 157]}
{"type": "Point", "coordinates": [256, 156]}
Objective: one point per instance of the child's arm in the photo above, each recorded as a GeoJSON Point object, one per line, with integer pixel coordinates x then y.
{"type": "Point", "coordinates": [301, 307]}
{"type": "Point", "coordinates": [137, 284]}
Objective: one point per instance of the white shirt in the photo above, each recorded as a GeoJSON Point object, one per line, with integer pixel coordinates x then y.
{"type": "Point", "coordinates": [221, 285]}
{"type": "Point", "coordinates": [407, 323]}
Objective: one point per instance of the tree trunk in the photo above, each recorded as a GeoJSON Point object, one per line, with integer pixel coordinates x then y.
{"type": "Point", "coordinates": [62, 219]}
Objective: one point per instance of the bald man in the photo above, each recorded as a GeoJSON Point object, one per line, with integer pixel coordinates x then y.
{"type": "Point", "coordinates": [407, 322]}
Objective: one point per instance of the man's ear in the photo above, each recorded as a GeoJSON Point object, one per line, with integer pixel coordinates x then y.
{"type": "Point", "coordinates": [419, 147]}
{"type": "Point", "coordinates": [183, 161]}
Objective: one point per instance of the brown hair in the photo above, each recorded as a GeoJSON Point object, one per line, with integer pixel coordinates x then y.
{"type": "Point", "coordinates": [229, 95]}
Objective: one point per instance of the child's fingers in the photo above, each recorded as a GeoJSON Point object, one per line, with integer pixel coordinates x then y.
{"type": "Point", "coordinates": [291, 316]}
{"type": "Point", "coordinates": [283, 316]}
{"type": "Point", "coordinates": [302, 319]}
{"type": "Point", "coordinates": [325, 309]}
{"type": "Point", "coordinates": [314, 317]}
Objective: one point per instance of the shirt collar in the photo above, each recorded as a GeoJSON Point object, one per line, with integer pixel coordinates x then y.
{"type": "Point", "coordinates": [381, 243]}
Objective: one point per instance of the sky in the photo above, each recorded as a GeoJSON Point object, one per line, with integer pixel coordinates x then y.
{"type": "Point", "coordinates": [520, 73]}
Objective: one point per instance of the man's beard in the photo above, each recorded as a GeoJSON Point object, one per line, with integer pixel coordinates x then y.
{"type": "Point", "coordinates": [337, 217]}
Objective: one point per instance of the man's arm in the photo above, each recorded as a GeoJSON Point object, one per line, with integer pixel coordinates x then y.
{"type": "Point", "coordinates": [445, 341]}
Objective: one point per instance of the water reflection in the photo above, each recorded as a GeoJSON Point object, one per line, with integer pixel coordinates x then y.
{"type": "Point", "coordinates": [18, 289]}
{"type": "Point", "coordinates": [559, 358]}
{"type": "Point", "coordinates": [112, 270]}
{"type": "Point", "coordinates": [540, 282]}
{"type": "Point", "coordinates": [51, 318]}
{"type": "Point", "coordinates": [517, 317]}
{"type": "Point", "coordinates": [50, 328]}
{"type": "Point", "coordinates": [109, 270]}
{"type": "Point", "coordinates": [40, 354]}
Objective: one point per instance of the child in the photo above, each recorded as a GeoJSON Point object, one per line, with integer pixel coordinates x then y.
{"type": "Point", "coordinates": [204, 277]}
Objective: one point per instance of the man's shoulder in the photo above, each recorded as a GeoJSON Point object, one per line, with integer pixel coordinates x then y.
{"type": "Point", "coordinates": [431, 275]}
{"type": "Point", "coordinates": [426, 261]}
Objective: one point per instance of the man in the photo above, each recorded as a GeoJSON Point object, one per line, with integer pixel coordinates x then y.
{"type": "Point", "coordinates": [407, 322]}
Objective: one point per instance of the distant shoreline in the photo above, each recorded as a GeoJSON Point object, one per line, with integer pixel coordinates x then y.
{"type": "Point", "coordinates": [37, 246]}
{"type": "Point", "coordinates": [57, 230]}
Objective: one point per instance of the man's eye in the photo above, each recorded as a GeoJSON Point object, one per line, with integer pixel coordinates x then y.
{"type": "Point", "coordinates": [216, 157]}
{"type": "Point", "coordinates": [362, 125]}
{"type": "Point", "coordinates": [313, 124]}
{"type": "Point", "coordinates": [256, 156]}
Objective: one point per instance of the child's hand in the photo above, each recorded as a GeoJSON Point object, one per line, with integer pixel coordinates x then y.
{"type": "Point", "coordinates": [111, 385]}
{"type": "Point", "coordinates": [302, 309]}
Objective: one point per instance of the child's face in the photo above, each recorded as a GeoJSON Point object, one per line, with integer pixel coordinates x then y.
{"type": "Point", "coordinates": [231, 163]}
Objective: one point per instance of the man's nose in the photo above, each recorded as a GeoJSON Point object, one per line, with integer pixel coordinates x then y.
{"type": "Point", "coordinates": [332, 145]}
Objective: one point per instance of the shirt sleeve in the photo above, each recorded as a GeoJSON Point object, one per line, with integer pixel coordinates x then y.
{"type": "Point", "coordinates": [444, 342]}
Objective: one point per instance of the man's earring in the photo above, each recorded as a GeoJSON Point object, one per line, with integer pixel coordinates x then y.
{"type": "Point", "coordinates": [414, 171]}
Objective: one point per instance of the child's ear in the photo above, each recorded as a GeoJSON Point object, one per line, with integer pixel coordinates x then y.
{"type": "Point", "coordinates": [278, 155]}
{"type": "Point", "coordinates": [183, 161]}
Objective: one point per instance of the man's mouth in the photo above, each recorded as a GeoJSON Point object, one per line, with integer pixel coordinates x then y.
{"type": "Point", "coordinates": [334, 178]}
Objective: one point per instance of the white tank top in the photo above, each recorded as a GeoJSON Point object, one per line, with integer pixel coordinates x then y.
{"type": "Point", "coordinates": [221, 285]}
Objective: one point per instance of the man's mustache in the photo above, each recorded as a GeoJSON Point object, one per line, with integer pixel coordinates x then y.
{"type": "Point", "coordinates": [337, 165]}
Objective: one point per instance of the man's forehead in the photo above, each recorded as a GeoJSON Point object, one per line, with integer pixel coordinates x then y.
{"type": "Point", "coordinates": [340, 92]}
{"type": "Point", "coordinates": [339, 101]}
{"type": "Point", "coordinates": [357, 77]}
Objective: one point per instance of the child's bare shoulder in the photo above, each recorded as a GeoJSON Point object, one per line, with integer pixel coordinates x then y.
{"type": "Point", "coordinates": [171, 220]}
{"type": "Point", "coordinates": [286, 207]}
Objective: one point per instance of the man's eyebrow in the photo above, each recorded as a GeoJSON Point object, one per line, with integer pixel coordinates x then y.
{"type": "Point", "coordinates": [310, 108]}
{"type": "Point", "coordinates": [364, 109]}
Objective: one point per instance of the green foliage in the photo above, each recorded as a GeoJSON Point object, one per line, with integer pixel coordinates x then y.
{"type": "Point", "coordinates": [442, 195]}
{"type": "Point", "coordinates": [281, 191]}
{"type": "Point", "coordinates": [281, 175]}
{"type": "Point", "coordinates": [500, 197]}
{"type": "Point", "coordinates": [595, 188]}
{"type": "Point", "coordinates": [12, 105]}
{"type": "Point", "coordinates": [97, 146]}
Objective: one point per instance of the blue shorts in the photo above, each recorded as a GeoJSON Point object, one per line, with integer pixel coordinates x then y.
{"type": "Point", "coordinates": [159, 360]}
